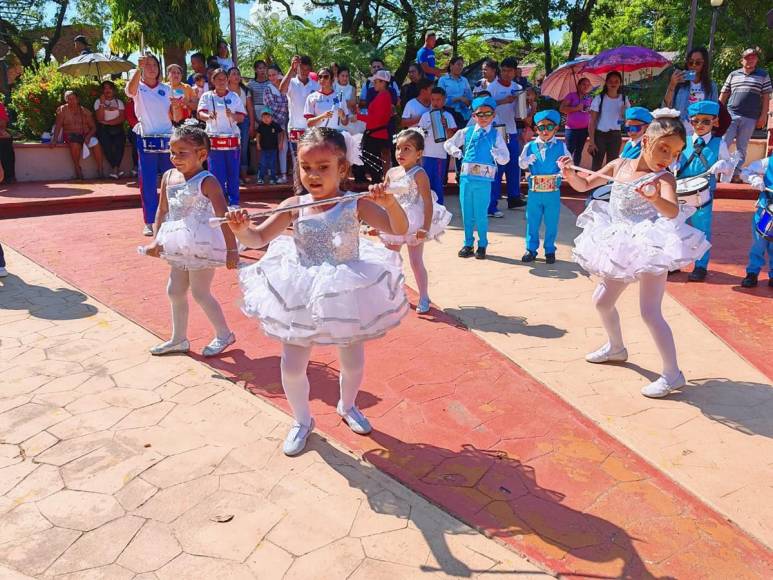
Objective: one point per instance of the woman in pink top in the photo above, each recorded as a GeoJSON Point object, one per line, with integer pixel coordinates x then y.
{"type": "Point", "coordinates": [576, 107]}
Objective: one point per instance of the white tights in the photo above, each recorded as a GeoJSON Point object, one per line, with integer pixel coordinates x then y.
{"type": "Point", "coordinates": [199, 281]}
{"type": "Point", "coordinates": [416, 257]}
{"type": "Point", "coordinates": [295, 360]}
{"type": "Point", "coordinates": [651, 290]}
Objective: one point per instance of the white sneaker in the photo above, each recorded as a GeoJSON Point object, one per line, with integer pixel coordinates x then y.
{"type": "Point", "coordinates": [147, 230]}
{"type": "Point", "coordinates": [295, 442]}
{"type": "Point", "coordinates": [603, 355]}
{"type": "Point", "coordinates": [662, 387]}
{"type": "Point", "coordinates": [3, 272]}
{"type": "Point", "coordinates": [497, 214]}
{"type": "Point", "coordinates": [355, 419]}
{"type": "Point", "coordinates": [169, 347]}
{"type": "Point", "coordinates": [218, 345]}
{"type": "Point", "coordinates": [282, 179]}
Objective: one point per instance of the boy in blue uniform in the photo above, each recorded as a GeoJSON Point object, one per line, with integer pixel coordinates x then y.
{"type": "Point", "coordinates": [481, 149]}
{"type": "Point", "coordinates": [759, 175]}
{"type": "Point", "coordinates": [637, 119]}
{"type": "Point", "coordinates": [704, 155]}
{"type": "Point", "coordinates": [540, 157]}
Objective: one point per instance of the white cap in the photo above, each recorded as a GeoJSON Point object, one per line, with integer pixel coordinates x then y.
{"type": "Point", "coordinates": [381, 75]}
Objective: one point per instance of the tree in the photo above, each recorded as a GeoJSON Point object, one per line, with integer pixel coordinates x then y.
{"type": "Point", "coordinates": [21, 28]}
{"type": "Point", "coordinates": [172, 26]}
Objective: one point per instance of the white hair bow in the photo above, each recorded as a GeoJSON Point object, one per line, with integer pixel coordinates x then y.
{"type": "Point", "coordinates": [353, 148]}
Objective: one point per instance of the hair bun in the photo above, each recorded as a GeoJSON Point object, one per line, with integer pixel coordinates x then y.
{"type": "Point", "coordinates": [665, 113]}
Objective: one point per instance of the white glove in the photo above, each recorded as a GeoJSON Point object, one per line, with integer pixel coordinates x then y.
{"type": "Point", "coordinates": [722, 166]}
{"type": "Point", "coordinates": [529, 159]}
{"type": "Point", "coordinates": [498, 157]}
{"type": "Point", "coordinates": [757, 182]}
{"type": "Point", "coordinates": [454, 151]}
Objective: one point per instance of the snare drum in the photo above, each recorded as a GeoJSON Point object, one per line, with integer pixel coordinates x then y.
{"type": "Point", "coordinates": [296, 134]}
{"type": "Point", "coordinates": [544, 183]}
{"type": "Point", "coordinates": [693, 191]}
{"type": "Point", "coordinates": [155, 143]}
{"type": "Point", "coordinates": [224, 142]}
{"type": "Point", "coordinates": [601, 193]}
{"type": "Point", "coordinates": [764, 224]}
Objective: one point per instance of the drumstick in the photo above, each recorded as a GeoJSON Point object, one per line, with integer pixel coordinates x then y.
{"type": "Point", "coordinates": [218, 221]}
{"type": "Point", "coordinates": [648, 188]}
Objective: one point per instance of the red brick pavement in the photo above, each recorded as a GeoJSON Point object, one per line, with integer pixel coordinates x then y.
{"type": "Point", "coordinates": [455, 420]}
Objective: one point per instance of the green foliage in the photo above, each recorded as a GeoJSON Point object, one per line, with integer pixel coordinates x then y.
{"type": "Point", "coordinates": [186, 24]}
{"type": "Point", "coordinates": [38, 93]}
{"type": "Point", "coordinates": [276, 38]}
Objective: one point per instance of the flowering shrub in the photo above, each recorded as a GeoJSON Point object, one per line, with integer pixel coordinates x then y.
{"type": "Point", "coordinates": [37, 94]}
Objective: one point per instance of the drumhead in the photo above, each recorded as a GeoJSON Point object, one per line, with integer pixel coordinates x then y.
{"type": "Point", "coordinates": [602, 193]}
{"type": "Point", "coordinates": [691, 184]}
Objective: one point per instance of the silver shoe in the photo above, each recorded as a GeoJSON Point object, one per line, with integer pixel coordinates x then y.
{"type": "Point", "coordinates": [355, 419]}
{"type": "Point", "coordinates": [147, 230]}
{"type": "Point", "coordinates": [662, 387]}
{"type": "Point", "coordinates": [295, 442]}
{"type": "Point", "coordinates": [218, 345]}
{"type": "Point", "coordinates": [168, 347]}
{"type": "Point", "coordinates": [603, 355]}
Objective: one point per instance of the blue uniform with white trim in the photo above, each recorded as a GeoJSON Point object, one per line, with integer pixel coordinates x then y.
{"type": "Point", "coordinates": [760, 246]}
{"type": "Point", "coordinates": [543, 205]}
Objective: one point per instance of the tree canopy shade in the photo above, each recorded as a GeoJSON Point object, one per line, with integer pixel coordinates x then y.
{"type": "Point", "coordinates": [183, 24]}
{"type": "Point", "coordinates": [21, 23]}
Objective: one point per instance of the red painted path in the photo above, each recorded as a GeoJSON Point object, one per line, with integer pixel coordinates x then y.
{"type": "Point", "coordinates": [455, 420]}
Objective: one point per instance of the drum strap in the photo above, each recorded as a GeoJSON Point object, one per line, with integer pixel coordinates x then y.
{"type": "Point", "coordinates": [696, 152]}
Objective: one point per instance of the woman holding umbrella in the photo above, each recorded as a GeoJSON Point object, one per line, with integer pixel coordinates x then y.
{"type": "Point", "coordinates": [576, 107]}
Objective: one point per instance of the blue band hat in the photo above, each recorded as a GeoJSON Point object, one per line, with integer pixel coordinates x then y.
{"type": "Point", "coordinates": [549, 114]}
{"type": "Point", "coordinates": [638, 114]}
{"type": "Point", "coordinates": [484, 102]}
{"type": "Point", "coordinates": [704, 108]}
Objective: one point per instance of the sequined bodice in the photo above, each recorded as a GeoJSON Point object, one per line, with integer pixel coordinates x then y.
{"type": "Point", "coordinates": [186, 200]}
{"type": "Point", "coordinates": [404, 188]}
{"type": "Point", "coordinates": [627, 205]}
{"type": "Point", "coordinates": [332, 236]}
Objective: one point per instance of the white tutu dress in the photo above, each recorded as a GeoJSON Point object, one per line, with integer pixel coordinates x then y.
{"type": "Point", "coordinates": [626, 237]}
{"type": "Point", "coordinates": [188, 240]}
{"type": "Point", "coordinates": [325, 285]}
{"type": "Point", "coordinates": [406, 192]}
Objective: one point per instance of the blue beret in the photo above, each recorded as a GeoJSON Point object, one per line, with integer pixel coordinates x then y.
{"type": "Point", "coordinates": [703, 108]}
{"type": "Point", "coordinates": [549, 114]}
{"type": "Point", "coordinates": [638, 114]}
{"type": "Point", "coordinates": [484, 102]}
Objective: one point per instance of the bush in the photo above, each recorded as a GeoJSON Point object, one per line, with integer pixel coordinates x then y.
{"type": "Point", "coordinates": [38, 93]}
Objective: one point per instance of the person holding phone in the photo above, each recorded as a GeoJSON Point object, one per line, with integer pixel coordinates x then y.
{"type": "Point", "coordinates": [691, 85]}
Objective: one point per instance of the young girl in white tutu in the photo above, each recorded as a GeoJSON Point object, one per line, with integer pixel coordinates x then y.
{"type": "Point", "coordinates": [324, 285]}
{"type": "Point", "coordinates": [427, 219]}
{"type": "Point", "coordinates": [190, 196]}
{"type": "Point", "coordinates": [640, 234]}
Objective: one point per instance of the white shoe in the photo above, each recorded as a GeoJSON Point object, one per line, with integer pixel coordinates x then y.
{"type": "Point", "coordinates": [662, 387]}
{"type": "Point", "coordinates": [147, 230]}
{"type": "Point", "coordinates": [3, 272]}
{"type": "Point", "coordinates": [603, 355]}
{"type": "Point", "coordinates": [168, 347]}
{"type": "Point", "coordinates": [497, 214]}
{"type": "Point", "coordinates": [282, 179]}
{"type": "Point", "coordinates": [355, 419]}
{"type": "Point", "coordinates": [295, 442]}
{"type": "Point", "coordinates": [218, 345]}
{"type": "Point", "coordinates": [113, 174]}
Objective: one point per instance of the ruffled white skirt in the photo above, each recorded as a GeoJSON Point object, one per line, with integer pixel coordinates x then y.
{"type": "Point", "coordinates": [325, 304]}
{"type": "Point", "coordinates": [441, 217]}
{"type": "Point", "coordinates": [190, 244]}
{"type": "Point", "coordinates": [623, 250]}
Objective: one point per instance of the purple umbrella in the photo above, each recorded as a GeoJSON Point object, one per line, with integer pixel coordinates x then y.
{"type": "Point", "coordinates": [625, 59]}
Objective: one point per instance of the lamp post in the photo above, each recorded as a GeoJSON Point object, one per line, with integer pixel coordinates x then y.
{"type": "Point", "coordinates": [716, 5]}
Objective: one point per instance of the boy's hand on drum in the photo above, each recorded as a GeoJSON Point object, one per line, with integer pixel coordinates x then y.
{"type": "Point", "coordinates": [238, 220]}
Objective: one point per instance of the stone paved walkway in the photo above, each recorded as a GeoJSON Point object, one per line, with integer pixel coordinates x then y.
{"type": "Point", "coordinates": [115, 465]}
{"type": "Point", "coordinates": [454, 420]}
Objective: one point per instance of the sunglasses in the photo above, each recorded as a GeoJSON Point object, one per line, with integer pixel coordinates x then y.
{"type": "Point", "coordinates": [483, 115]}
{"type": "Point", "coordinates": [694, 62]}
{"type": "Point", "coordinates": [634, 128]}
{"type": "Point", "coordinates": [704, 122]}
{"type": "Point", "coordinates": [546, 127]}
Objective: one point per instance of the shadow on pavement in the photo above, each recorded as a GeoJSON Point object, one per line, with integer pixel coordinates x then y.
{"type": "Point", "coordinates": [735, 404]}
{"type": "Point", "coordinates": [561, 270]}
{"type": "Point", "coordinates": [482, 318]}
{"type": "Point", "coordinates": [43, 302]}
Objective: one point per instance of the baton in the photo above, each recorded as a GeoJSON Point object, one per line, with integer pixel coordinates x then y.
{"type": "Point", "coordinates": [648, 188]}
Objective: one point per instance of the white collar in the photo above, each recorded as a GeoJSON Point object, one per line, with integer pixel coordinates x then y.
{"type": "Point", "coordinates": [485, 129]}
{"type": "Point", "coordinates": [548, 142]}
{"type": "Point", "coordinates": [706, 138]}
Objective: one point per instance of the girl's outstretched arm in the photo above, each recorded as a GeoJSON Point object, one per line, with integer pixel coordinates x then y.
{"type": "Point", "coordinates": [210, 187]}
{"type": "Point", "coordinates": [257, 236]}
{"type": "Point", "coordinates": [381, 211]}
{"type": "Point", "coordinates": [422, 182]}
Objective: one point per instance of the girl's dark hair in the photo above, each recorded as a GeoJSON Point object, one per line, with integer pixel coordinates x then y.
{"type": "Point", "coordinates": [613, 73]}
{"type": "Point", "coordinates": [110, 84]}
{"type": "Point", "coordinates": [453, 61]}
{"type": "Point", "coordinates": [158, 64]}
{"type": "Point", "coordinates": [276, 68]}
{"type": "Point", "coordinates": [326, 70]}
{"type": "Point", "coordinates": [415, 136]}
{"type": "Point", "coordinates": [418, 68]}
{"type": "Point", "coordinates": [192, 133]}
{"type": "Point", "coordinates": [344, 68]}
{"type": "Point", "coordinates": [705, 74]}
{"type": "Point", "coordinates": [316, 137]}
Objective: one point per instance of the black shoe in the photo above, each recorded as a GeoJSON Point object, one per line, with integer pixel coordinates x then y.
{"type": "Point", "coordinates": [550, 258]}
{"type": "Point", "coordinates": [770, 282]}
{"type": "Point", "coordinates": [672, 272]}
{"type": "Point", "coordinates": [750, 281]}
{"type": "Point", "coordinates": [529, 257]}
{"type": "Point", "coordinates": [515, 203]}
{"type": "Point", "coordinates": [466, 252]}
{"type": "Point", "coordinates": [697, 275]}
{"type": "Point", "coordinates": [480, 253]}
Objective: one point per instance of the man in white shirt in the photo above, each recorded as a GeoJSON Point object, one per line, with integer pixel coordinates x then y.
{"type": "Point", "coordinates": [415, 108]}
{"type": "Point", "coordinates": [505, 91]}
{"type": "Point", "coordinates": [298, 86]}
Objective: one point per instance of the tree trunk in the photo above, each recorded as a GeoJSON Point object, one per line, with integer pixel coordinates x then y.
{"type": "Point", "coordinates": [547, 47]}
{"type": "Point", "coordinates": [455, 28]}
{"type": "Point", "coordinates": [579, 25]}
{"type": "Point", "coordinates": [175, 55]}
{"type": "Point", "coordinates": [57, 31]}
